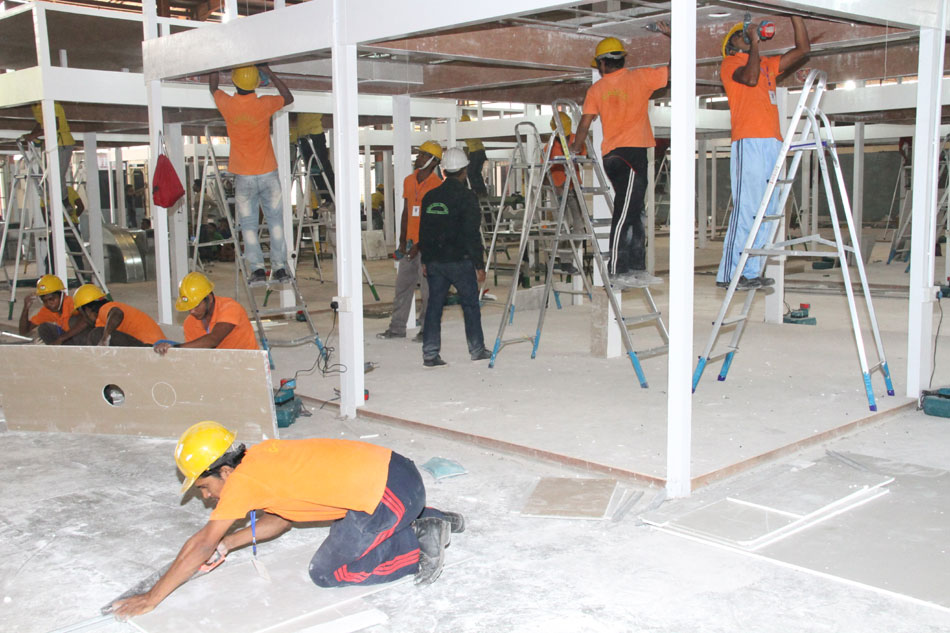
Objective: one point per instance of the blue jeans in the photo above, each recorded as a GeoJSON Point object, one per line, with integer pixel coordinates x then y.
{"type": "Point", "coordinates": [368, 549]}
{"type": "Point", "coordinates": [440, 276]}
{"type": "Point", "coordinates": [253, 192]}
{"type": "Point", "coordinates": [751, 163]}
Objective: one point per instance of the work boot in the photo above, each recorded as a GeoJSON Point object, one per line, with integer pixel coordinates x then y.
{"type": "Point", "coordinates": [257, 277]}
{"type": "Point", "coordinates": [456, 521]}
{"type": "Point", "coordinates": [765, 282]}
{"type": "Point", "coordinates": [434, 362]}
{"type": "Point", "coordinates": [434, 535]}
{"type": "Point", "coordinates": [641, 279]}
{"type": "Point", "coordinates": [418, 337]}
{"type": "Point", "coordinates": [722, 284]}
{"type": "Point", "coordinates": [749, 284]}
{"type": "Point", "coordinates": [482, 355]}
{"type": "Point", "coordinates": [281, 276]}
{"type": "Point", "coordinates": [390, 334]}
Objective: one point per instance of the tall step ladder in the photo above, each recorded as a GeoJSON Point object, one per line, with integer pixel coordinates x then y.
{"type": "Point", "coordinates": [307, 171]}
{"type": "Point", "coordinates": [260, 311]}
{"type": "Point", "coordinates": [900, 241]}
{"type": "Point", "coordinates": [561, 232]}
{"type": "Point", "coordinates": [816, 136]}
{"type": "Point", "coordinates": [27, 189]}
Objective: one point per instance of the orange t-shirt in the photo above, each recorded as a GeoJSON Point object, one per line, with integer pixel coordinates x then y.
{"type": "Point", "coordinates": [621, 99]}
{"type": "Point", "coordinates": [135, 322]}
{"type": "Point", "coordinates": [248, 121]}
{"type": "Point", "coordinates": [226, 310]}
{"type": "Point", "coordinates": [753, 109]}
{"type": "Point", "coordinates": [558, 174]}
{"type": "Point", "coordinates": [45, 315]}
{"type": "Point", "coordinates": [413, 192]}
{"type": "Point", "coordinates": [306, 480]}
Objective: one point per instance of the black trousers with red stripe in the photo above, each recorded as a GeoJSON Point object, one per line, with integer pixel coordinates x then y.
{"type": "Point", "coordinates": [368, 549]}
{"type": "Point", "coordinates": [626, 167]}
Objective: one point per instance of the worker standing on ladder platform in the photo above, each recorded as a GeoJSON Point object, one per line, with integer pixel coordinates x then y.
{"type": "Point", "coordinates": [621, 99]}
{"type": "Point", "coordinates": [750, 83]}
{"type": "Point", "coordinates": [252, 161]}
{"type": "Point", "coordinates": [65, 143]}
{"type": "Point", "coordinates": [416, 185]}
{"type": "Point", "coordinates": [310, 131]}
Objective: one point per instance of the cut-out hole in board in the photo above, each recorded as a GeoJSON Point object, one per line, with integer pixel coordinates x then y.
{"type": "Point", "coordinates": [114, 395]}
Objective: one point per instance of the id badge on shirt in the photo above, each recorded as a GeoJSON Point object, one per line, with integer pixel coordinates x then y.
{"type": "Point", "coordinates": [772, 98]}
{"type": "Point", "coordinates": [416, 209]}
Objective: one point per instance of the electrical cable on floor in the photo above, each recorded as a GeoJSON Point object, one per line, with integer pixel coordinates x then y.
{"type": "Point", "coordinates": [933, 365]}
{"type": "Point", "coordinates": [326, 369]}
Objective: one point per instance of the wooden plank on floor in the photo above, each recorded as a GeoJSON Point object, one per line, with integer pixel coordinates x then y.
{"type": "Point", "coordinates": [570, 498]}
{"type": "Point", "coordinates": [65, 389]}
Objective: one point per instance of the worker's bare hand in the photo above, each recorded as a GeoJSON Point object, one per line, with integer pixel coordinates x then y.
{"type": "Point", "coordinates": [28, 301]}
{"type": "Point", "coordinates": [752, 31]}
{"type": "Point", "coordinates": [480, 275]}
{"type": "Point", "coordinates": [664, 28]}
{"type": "Point", "coordinates": [161, 348]}
{"type": "Point", "coordinates": [414, 251]}
{"type": "Point", "coordinates": [131, 607]}
{"type": "Point", "coordinates": [104, 341]}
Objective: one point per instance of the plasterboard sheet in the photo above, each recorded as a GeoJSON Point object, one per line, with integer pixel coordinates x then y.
{"type": "Point", "coordinates": [808, 488]}
{"type": "Point", "coordinates": [570, 498]}
{"type": "Point", "coordinates": [46, 388]}
{"type": "Point", "coordinates": [235, 599]}
{"type": "Point", "coordinates": [733, 522]}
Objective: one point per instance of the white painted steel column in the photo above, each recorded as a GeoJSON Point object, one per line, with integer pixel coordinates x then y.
{"type": "Point", "coordinates": [702, 202]}
{"type": "Point", "coordinates": [346, 151]}
{"type": "Point", "coordinates": [451, 127]}
{"type": "Point", "coordinates": [368, 185]}
{"type": "Point", "coordinates": [230, 10]}
{"type": "Point", "coordinates": [923, 224]}
{"type": "Point", "coordinates": [402, 167]}
{"type": "Point", "coordinates": [121, 216]}
{"type": "Point", "coordinates": [153, 95]}
{"type": "Point", "coordinates": [281, 141]}
{"type": "Point", "coordinates": [178, 215]}
{"type": "Point", "coordinates": [680, 320]}
{"type": "Point", "coordinates": [775, 266]}
{"type": "Point", "coordinates": [857, 185]}
{"type": "Point", "coordinates": [93, 201]}
{"type": "Point", "coordinates": [714, 191]}
{"type": "Point", "coordinates": [388, 214]}
{"type": "Point", "coordinates": [650, 205]}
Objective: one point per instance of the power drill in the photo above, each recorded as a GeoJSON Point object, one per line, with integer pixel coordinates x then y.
{"type": "Point", "coordinates": [766, 29]}
{"type": "Point", "coordinates": [400, 254]}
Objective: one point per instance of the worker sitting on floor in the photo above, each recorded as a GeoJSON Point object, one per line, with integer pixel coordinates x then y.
{"type": "Point", "coordinates": [212, 322]}
{"type": "Point", "coordinates": [381, 528]}
{"type": "Point", "coordinates": [55, 322]}
{"type": "Point", "coordinates": [112, 323]}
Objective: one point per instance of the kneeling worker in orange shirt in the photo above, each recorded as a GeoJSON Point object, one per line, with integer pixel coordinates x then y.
{"type": "Point", "coordinates": [113, 324]}
{"type": "Point", "coordinates": [381, 529]}
{"type": "Point", "coordinates": [56, 320]}
{"type": "Point", "coordinates": [212, 322]}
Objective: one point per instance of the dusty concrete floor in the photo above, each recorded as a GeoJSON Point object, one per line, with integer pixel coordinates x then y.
{"type": "Point", "coordinates": [787, 384]}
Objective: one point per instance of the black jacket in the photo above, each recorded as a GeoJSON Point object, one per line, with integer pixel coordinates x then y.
{"type": "Point", "coordinates": [449, 226]}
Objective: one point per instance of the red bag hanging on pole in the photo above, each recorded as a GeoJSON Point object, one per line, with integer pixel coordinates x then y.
{"type": "Point", "coordinates": [166, 187]}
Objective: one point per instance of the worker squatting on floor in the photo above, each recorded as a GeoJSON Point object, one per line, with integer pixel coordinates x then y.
{"type": "Point", "coordinates": [106, 322]}
{"type": "Point", "coordinates": [213, 322]}
{"type": "Point", "coordinates": [621, 98]}
{"type": "Point", "coordinates": [381, 528]}
{"type": "Point", "coordinates": [56, 322]}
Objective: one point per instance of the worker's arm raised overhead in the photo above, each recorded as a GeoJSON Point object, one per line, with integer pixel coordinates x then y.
{"type": "Point", "coordinates": [25, 324]}
{"type": "Point", "coordinates": [213, 82]}
{"type": "Point", "coordinates": [278, 83]}
{"type": "Point", "coordinates": [196, 550]}
{"type": "Point", "coordinates": [802, 46]}
{"type": "Point", "coordinates": [748, 75]}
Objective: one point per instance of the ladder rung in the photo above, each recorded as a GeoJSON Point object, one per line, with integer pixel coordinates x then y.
{"type": "Point", "coordinates": [597, 190]}
{"type": "Point", "coordinates": [730, 321]}
{"type": "Point", "coordinates": [779, 216]}
{"type": "Point", "coordinates": [293, 342]}
{"type": "Point", "coordinates": [266, 312]}
{"type": "Point", "coordinates": [784, 181]}
{"type": "Point", "coordinates": [714, 357]}
{"type": "Point", "coordinates": [653, 351]}
{"type": "Point", "coordinates": [804, 146]}
{"type": "Point", "coordinates": [642, 318]}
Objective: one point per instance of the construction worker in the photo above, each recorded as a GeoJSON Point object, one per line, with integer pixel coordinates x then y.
{"type": "Point", "coordinates": [452, 254]}
{"type": "Point", "coordinates": [254, 166]}
{"type": "Point", "coordinates": [475, 150]}
{"type": "Point", "coordinates": [378, 205]}
{"type": "Point", "coordinates": [56, 321]}
{"type": "Point", "coordinates": [114, 324]}
{"type": "Point", "coordinates": [312, 139]}
{"type": "Point", "coordinates": [621, 98]}
{"type": "Point", "coordinates": [381, 529]}
{"type": "Point", "coordinates": [572, 209]}
{"type": "Point", "coordinates": [751, 82]}
{"type": "Point", "coordinates": [212, 322]}
{"type": "Point", "coordinates": [65, 144]}
{"type": "Point", "coordinates": [409, 274]}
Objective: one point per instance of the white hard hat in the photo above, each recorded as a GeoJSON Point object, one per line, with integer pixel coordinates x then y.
{"type": "Point", "coordinates": [454, 159]}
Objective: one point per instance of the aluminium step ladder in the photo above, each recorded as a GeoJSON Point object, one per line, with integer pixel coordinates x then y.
{"type": "Point", "coordinates": [815, 135]}
{"type": "Point", "coordinates": [260, 311]}
{"type": "Point", "coordinates": [577, 233]}
{"type": "Point", "coordinates": [27, 190]}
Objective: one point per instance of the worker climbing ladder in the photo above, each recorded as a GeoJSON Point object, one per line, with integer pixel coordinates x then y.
{"type": "Point", "coordinates": [815, 136]}
{"type": "Point", "coordinates": [27, 191]}
{"type": "Point", "coordinates": [260, 311]}
{"type": "Point", "coordinates": [306, 170]}
{"type": "Point", "coordinates": [575, 233]}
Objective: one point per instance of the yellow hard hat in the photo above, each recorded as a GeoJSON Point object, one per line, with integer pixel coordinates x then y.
{"type": "Point", "coordinates": [433, 148]}
{"type": "Point", "coordinates": [565, 122]}
{"type": "Point", "coordinates": [246, 77]}
{"type": "Point", "coordinates": [193, 288]}
{"type": "Point", "coordinates": [736, 28]}
{"type": "Point", "coordinates": [608, 46]}
{"type": "Point", "coordinates": [87, 293]}
{"type": "Point", "coordinates": [380, 187]}
{"type": "Point", "coordinates": [199, 447]}
{"type": "Point", "coordinates": [48, 284]}
{"type": "Point", "coordinates": [464, 118]}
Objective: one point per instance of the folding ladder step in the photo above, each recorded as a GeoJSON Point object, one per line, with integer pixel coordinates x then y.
{"type": "Point", "coordinates": [732, 320]}
{"type": "Point", "coordinates": [784, 181]}
{"type": "Point", "coordinates": [596, 190]}
{"type": "Point", "coordinates": [294, 342]}
{"type": "Point", "coordinates": [778, 216]}
{"type": "Point", "coordinates": [267, 312]}
{"type": "Point", "coordinates": [653, 351]}
{"type": "Point", "coordinates": [641, 318]}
